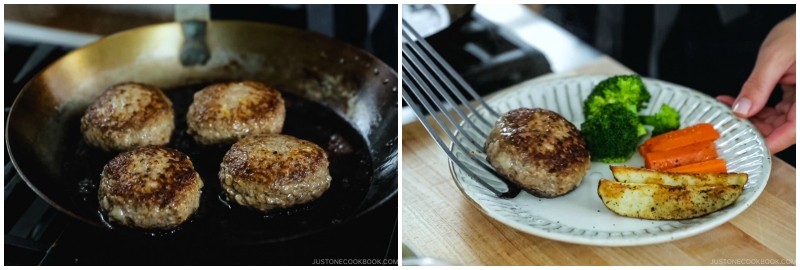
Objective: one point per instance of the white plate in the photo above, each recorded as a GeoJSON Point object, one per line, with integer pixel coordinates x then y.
{"type": "Point", "coordinates": [580, 216]}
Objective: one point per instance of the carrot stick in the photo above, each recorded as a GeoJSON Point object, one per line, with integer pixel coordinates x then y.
{"type": "Point", "coordinates": [708, 166]}
{"type": "Point", "coordinates": [643, 150]}
{"type": "Point", "coordinates": [682, 137]}
{"type": "Point", "coordinates": [677, 157]}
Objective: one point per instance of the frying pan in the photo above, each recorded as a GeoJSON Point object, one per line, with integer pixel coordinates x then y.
{"type": "Point", "coordinates": [338, 96]}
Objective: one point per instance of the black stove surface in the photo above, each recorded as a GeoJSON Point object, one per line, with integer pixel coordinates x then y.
{"type": "Point", "coordinates": [38, 234]}
{"type": "Point", "coordinates": [56, 239]}
{"type": "Point", "coordinates": [487, 57]}
{"type": "Point", "coordinates": [366, 240]}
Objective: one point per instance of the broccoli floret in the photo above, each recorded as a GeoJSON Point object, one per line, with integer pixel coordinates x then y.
{"type": "Point", "coordinates": [612, 133]}
{"type": "Point", "coordinates": [626, 89]}
{"type": "Point", "coordinates": [640, 130]}
{"type": "Point", "coordinates": [666, 120]}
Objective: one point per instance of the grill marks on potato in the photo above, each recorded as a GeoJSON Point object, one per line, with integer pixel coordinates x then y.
{"type": "Point", "coordinates": [666, 202]}
{"type": "Point", "coordinates": [627, 174]}
{"type": "Point", "coordinates": [675, 194]}
{"type": "Point", "coordinates": [652, 194]}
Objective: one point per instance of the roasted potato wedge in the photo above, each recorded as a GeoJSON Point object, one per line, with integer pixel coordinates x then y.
{"type": "Point", "coordinates": [660, 202]}
{"type": "Point", "coordinates": [627, 174]}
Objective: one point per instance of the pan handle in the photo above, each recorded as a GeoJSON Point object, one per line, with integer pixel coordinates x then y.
{"type": "Point", "coordinates": [192, 13]}
{"type": "Point", "coordinates": [194, 19]}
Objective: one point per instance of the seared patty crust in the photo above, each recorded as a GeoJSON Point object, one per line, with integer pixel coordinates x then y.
{"type": "Point", "coordinates": [151, 187]}
{"type": "Point", "coordinates": [223, 113]}
{"type": "Point", "coordinates": [272, 171]}
{"type": "Point", "coordinates": [128, 115]}
{"type": "Point", "coordinates": [538, 150]}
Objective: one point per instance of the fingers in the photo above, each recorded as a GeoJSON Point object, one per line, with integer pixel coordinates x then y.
{"type": "Point", "coordinates": [783, 107]}
{"type": "Point", "coordinates": [727, 100]}
{"type": "Point", "coordinates": [775, 63]}
{"type": "Point", "coordinates": [759, 85]}
{"type": "Point", "coordinates": [761, 127]}
{"type": "Point", "coordinates": [790, 78]}
{"type": "Point", "coordinates": [788, 98]}
{"type": "Point", "coordinates": [783, 136]}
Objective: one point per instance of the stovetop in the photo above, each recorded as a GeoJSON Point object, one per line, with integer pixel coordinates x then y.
{"type": "Point", "coordinates": [38, 234]}
{"type": "Point", "coordinates": [496, 46]}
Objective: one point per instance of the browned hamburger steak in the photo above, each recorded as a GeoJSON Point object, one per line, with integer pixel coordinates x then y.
{"type": "Point", "coordinates": [128, 115]}
{"type": "Point", "coordinates": [538, 150]}
{"type": "Point", "coordinates": [226, 112]}
{"type": "Point", "coordinates": [271, 171]}
{"type": "Point", "coordinates": [151, 187]}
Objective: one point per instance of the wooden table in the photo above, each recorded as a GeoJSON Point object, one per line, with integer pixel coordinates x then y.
{"type": "Point", "coordinates": [438, 221]}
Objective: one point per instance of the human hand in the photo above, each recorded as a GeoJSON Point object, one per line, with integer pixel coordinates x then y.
{"type": "Point", "coordinates": [775, 65]}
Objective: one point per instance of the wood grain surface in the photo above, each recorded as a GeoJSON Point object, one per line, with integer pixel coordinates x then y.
{"type": "Point", "coordinates": [439, 222]}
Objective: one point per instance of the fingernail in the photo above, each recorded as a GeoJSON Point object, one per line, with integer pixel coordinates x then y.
{"type": "Point", "coordinates": [741, 107]}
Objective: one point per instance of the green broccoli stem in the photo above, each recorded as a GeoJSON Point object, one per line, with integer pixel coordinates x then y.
{"type": "Point", "coordinates": [617, 160]}
{"type": "Point", "coordinates": [648, 119]}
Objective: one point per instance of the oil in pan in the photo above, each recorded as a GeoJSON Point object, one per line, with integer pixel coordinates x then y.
{"type": "Point", "coordinates": [218, 220]}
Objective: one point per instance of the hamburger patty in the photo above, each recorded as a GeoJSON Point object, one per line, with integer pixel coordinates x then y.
{"type": "Point", "coordinates": [128, 115]}
{"type": "Point", "coordinates": [538, 150]}
{"type": "Point", "coordinates": [272, 171]}
{"type": "Point", "coordinates": [151, 187]}
{"type": "Point", "coordinates": [226, 112]}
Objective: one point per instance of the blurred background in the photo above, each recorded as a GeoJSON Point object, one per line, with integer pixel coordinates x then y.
{"type": "Point", "coordinates": [35, 233]}
{"type": "Point", "coordinates": [710, 48]}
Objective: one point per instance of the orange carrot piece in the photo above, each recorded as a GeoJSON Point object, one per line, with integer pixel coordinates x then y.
{"type": "Point", "coordinates": [677, 157]}
{"type": "Point", "coordinates": [682, 137]}
{"type": "Point", "coordinates": [708, 166]}
{"type": "Point", "coordinates": [643, 150]}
